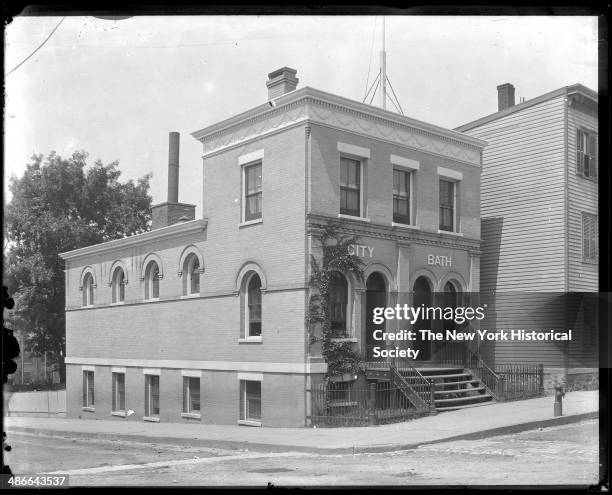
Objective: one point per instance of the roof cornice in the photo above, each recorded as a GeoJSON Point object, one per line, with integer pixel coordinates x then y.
{"type": "Point", "coordinates": [178, 229]}
{"type": "Point", "coordinates": [308, 94]}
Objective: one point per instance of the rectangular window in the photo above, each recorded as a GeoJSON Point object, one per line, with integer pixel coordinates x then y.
{"type": "Point", "coordinates": [350, 187]}
{"type": "Point", "coordinates": [118, 392]}
{"type": "Point", "coordinates": [401, 196]}
{"type": "Point", "coordinates": [586, 153]}
{"type": "Point", "coordinates": [250, 400]}
{"type": "Point", "coordinates": [152, 395]}
{"type": "Point", "coordinates": [191, 395]}
{"type": "Point", "coordinates": [447, 205]}
{"type": "Point", "coordinates": [252, 192]}
{"type": "Point", "coordinates": [590, 237]}
{"type": "Point", "coordinates": [88, 389]}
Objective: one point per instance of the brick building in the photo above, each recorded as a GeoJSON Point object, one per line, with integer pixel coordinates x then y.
{"type": "Point", "coordinates": [204, 319]}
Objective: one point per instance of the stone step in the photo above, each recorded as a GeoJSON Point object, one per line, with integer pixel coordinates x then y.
{"type": "Point", "coordinates": [460, 391]}
{"type": "Point", "coordinates": [455, 408]}
{"type": "Point", "coordinates": [462, 399]}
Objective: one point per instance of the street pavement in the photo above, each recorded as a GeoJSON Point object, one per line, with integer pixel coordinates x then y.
{"type": "Point", "coordinates": [565, 455]}
{"type": "Point", "coordinates": [466, 424]}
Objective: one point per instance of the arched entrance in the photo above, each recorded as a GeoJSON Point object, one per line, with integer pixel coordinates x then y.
{"type": "Point", "coordinates": [376, 297]}
{"type": "Point", "coordinates": [422, 296]}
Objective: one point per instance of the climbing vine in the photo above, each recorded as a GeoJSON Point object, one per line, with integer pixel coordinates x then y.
{"type": "Point", "coordinates": [339, 355]}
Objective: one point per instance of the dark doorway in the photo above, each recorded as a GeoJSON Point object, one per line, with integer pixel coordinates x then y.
{"type": "Point", "coordinates": [376, 297]}
{"type": "Point", "coordinates": [422, 296]}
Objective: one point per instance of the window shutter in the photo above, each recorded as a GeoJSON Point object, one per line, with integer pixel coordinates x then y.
{"type": "Point", "coordinates": [579, 153]}
{"type": "Point", "coordinates": [593, 153]}
{"type": "Point", "coordinates": [114, 391]}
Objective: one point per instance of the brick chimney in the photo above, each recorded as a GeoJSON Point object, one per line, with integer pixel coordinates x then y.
{"type": "Point", "coordinates": [171, 212]}
{"type": "Point", "coordinates": [505, 96]}
{"type": "Point", "coordinates": [280, 82]}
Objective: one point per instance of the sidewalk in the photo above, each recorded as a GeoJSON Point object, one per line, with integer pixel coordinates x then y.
{"type": "Point", "coordinates": [471, 423]}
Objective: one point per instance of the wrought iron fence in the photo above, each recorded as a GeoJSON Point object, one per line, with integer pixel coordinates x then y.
{"type": "Point", "coordinates": [521, 381]}
{"type": "Point", "coordinates": [347, 404]}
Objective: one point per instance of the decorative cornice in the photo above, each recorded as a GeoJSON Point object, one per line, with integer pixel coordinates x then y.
{"type": "Point", "coordinates": [178, 229]}
{"type": "Point", "coordinates": [314, 106]}
{"type": "Point", "coordinates": [353, 227]}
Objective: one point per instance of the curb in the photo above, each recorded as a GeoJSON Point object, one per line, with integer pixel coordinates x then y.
{"type": "Point", "coordinates": [269, 447]}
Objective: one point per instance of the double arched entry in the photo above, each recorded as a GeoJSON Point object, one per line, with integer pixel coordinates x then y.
{"type": "Point", "coordinates": [378, 295]}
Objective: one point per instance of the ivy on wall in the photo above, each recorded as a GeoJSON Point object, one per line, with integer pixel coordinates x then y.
{"type": "Point", "coordinates": [340, 355]}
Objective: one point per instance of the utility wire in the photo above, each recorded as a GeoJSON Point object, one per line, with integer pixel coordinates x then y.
{"type": "Point", "coordinates": [373, 83]}
{"type": "Point", "coordinates": [374, 93]}
{"type": "Point", "coordinates": [39, 47]}
{"type": "Point", "coordinates": [396, 99]}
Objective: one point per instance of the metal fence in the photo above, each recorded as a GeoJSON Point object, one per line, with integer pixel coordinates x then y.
{"type": "Point", "coordinates": [520, 381]}
{"type": "Point", "coordinates": [347, 404]}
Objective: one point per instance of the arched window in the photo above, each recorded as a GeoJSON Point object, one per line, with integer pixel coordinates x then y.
{"type": "Point", "coordinates": [118, 285]}
{"type": "Point", "coordinates": [152, 281]}
{"type": "Point", "coordinates": [338, 303]}
{"type": "Point", "coordinates": [191, 274]}
{"type": "Point", "coordinates": [253, 301]}
{"type": "Point", "coordinates": [88, 290]}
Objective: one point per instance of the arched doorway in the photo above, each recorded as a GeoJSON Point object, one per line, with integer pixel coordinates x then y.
{"type": "Point", "coordinates": [376, 297]}
{"type": "Point", "coordinates": [422, 296]}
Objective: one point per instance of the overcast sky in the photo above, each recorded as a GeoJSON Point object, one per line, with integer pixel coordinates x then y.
{"type": "Point", "coordinates": [116, 88]}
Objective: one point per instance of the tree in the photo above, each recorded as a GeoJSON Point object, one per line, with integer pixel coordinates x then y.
{"type": "Point", "coordinates": [335, 256]}
{"type": "Point", "coordinates": [60, 205]}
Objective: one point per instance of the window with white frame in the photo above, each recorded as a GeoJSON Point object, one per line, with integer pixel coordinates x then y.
{"type": "Point", "coordinates": [88, 389]}
{"type": "Point", "coordinates": [253, 306]}
{"type": "Point", "coordinates": [191, 395]}
{"type": "Point", "coordinates": [447, 205]}
{"type": "Point", "coordinates": [586, 153]}
{"type": "Point", "coordinates": [590, 237]}
{"type": "Point", "coordinates": [118, 391]}
{"type": "Point", "coordinates": [88, 289]}
{"type": "Point", "coordinates": [401, 196]}
{"type": "Point", "coordinates": [253, 192]}
{"type": "Point", "coordinates": [152, 396]}
{"type": "Point", "coordinates": [191, 274]}
{"type": "Point", "coordinates": [350, 186]}
{"type": "Point", "coordinates": [118, 285]}
{"type": "Point", "coordinates": [338, 305]}
{"type": "Point", "coordinates": [250, 400]}
{"type": "Point", "coordinates": [152, 281]}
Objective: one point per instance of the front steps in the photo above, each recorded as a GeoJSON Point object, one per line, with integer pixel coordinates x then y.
{"type": "Point", "coordinates": [456, 388]}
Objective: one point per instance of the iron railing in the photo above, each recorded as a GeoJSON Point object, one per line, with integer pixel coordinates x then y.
{"type": "Point", "coordinates": [349, 404]}
{"type": "Point", "coordinates": [521, 381]}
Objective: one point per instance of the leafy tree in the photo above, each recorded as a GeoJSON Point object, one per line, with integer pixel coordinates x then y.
{"type": "Point", "coordinates": [338, 354]}
{"type": "Point", "coordinates": [60, 204]}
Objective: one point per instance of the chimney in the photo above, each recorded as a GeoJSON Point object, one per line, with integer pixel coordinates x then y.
{"type": "Point", "coordinates": [171, 212]}
{"type": "Point", "coordinates": [505, 96]}
{"type": "Point", "coordinates": [280, 82]}
{"type": "Point", "coordinates": [173, 166]}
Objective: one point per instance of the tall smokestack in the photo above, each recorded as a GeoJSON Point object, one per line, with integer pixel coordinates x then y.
{"type": "Point", "coordinates": [171, 212]}
{"type": "Point", "coordinates": [173, 166]}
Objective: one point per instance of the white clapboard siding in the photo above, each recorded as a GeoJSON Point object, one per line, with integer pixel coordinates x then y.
{"type": "Point", "coordinates": [522, 193]}
{"type": "Point", "coordinates": [583, 276]}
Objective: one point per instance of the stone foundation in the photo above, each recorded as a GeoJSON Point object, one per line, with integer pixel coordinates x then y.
{"type": "Point", "coordinates": [576, 379]}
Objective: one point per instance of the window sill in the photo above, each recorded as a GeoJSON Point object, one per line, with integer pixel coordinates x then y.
{"type": "Point", "coordinates": [88, 409]}
{"type": "Point", "coordinates": [153, 419]}
{"type": "Point", "coordinates": [250, 340]}
{"type": "Point", "coordinates": [344, 339]}
{"type": "Point", "coordinates": [250, 222]}
{"type": "Point", "coordinates": [458, 234]}
{"type": "Point", "coordinates": [191, 415]}
{"type": "Point", "coordinates": [351, 217]}
{"type": "Point", "coordinates": [590, 262]}
{"type": "Point", "coordinates": [121, 414]}
{"type": "Point", "coordinates": [119, 303]}
{"type": "Point", "coordinates": [249, 422]}
{"type": "Point", "coordinates": [190, 296]}
{"type": "Point", "coordinates": [89, 306]}
{"type": "Point", "coordinates": [405, 226]}
{"type": "Point", "coordinates": [154, 299]}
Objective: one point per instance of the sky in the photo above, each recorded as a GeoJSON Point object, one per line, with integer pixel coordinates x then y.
{"type": "Point", "coordinates": [117, 88]}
